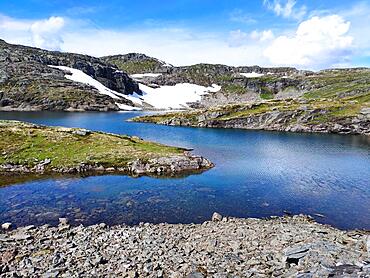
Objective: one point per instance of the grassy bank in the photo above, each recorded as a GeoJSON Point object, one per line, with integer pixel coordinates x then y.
{"type": "Point", "coordinates": [56, 148]}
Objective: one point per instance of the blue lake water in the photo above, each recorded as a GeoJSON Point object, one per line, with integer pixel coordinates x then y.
{"type": "Point", "coordinates": [257, 174]}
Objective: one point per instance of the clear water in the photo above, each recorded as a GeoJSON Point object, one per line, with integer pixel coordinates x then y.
{"type": "Point", "coordinates": [257, 174]}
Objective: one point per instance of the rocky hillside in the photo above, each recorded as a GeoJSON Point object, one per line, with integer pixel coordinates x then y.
{"type": "Point", "coordinates": [135, 63]}
{"type": "Point", "coordinates": [254, 84]}
{"type": "Point", "coordinates": [347, 115]}
{"type": "Point", "coordinates": [28, 83]}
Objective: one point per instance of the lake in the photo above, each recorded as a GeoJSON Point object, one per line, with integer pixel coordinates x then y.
{"type": "Point", "coordinates": [257, 174]}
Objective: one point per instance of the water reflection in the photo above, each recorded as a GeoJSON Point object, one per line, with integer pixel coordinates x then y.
{"type": "Point", "coordinates": [257, 174]}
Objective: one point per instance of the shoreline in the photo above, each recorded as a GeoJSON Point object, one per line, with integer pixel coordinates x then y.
{"type": "Point", "coordinates": [224, 247]}
{"type": "Point", "coordinates": [29, 148]}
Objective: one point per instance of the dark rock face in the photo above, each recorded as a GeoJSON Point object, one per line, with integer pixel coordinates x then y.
{"type": "Point", "coordinates": [28, 83]}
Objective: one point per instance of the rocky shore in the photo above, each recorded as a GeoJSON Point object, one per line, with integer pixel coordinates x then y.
{"type": "Point", "coordinates": [224, 247]}
{"type": "Point", "coordinates": [295, 115]}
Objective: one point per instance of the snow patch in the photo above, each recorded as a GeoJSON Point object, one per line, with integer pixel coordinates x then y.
{"type": "Point", "coordinates": [142, 75]}
{"type": "Point", "coordinates": [81, 77]}
{"type": "Point", "coordinates": [127, 107]}
{"type": "Point", "coordinates": [252, 74]}
{"type": "Point", "coordinates": [174, 97]}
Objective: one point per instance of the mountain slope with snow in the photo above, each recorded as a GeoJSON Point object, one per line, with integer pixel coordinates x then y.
{"type": "Point", "coordinates": [28, 83]}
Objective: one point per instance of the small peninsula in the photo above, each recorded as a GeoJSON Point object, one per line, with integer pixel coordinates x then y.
{"type": "Point", "coordinates": [30, 148]}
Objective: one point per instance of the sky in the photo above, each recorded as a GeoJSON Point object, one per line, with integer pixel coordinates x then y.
{"type": "Point", "coordinates": [307, 34]}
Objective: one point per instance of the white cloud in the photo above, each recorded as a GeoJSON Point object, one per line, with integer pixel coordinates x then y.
{"type": "Point", "coordinates": [175, 46]}
{"type": "Point", "coordinates": [286, 8]}
{"type": "Point", "coordinates": [262, 36]}
{"type": "Point", "coordinates": [318, 42]}
{"type": "Point", "coordinates": [45, 33]}
{"type": "Point", "coordinates": [241, 17]}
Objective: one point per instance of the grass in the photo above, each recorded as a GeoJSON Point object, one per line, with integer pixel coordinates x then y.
{"type": "Point", "coordinates": [134, 67]}
{"type": "Point", "coordinates": [26, 144]}
{"type": "Point", "coordinates": [321, 110]}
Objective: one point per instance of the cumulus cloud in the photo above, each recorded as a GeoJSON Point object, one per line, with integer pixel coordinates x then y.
{"type": "Point", "coordinates": [262, 36]}
{"type": "Point", "coordinates": [44, 33]}
{"type": "Point", "coordinates": [239, 38]}
{"type": "Point", "coordinates": [286, 9]}
{"type": "Point", "coordinates": [318, 42]}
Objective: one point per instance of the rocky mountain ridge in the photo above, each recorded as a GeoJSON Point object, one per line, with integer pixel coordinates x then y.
{"type": "Point", "coordinates": [28, 83]}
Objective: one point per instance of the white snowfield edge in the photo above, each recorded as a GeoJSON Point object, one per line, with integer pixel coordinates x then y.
{"type": "Point", "coordinates": [251, 74]}
{"type": "Point", "coordinates": [142, 75]}
{"type": "Point", "coordinates": [174, 97]}
{"type": "Point", "coordinates": [165, 97]}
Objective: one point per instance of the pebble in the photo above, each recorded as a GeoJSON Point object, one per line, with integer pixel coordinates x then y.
{"type": "Point", "coordinates": [278, 247]}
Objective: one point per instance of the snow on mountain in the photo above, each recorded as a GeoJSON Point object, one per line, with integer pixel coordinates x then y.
{"type": "Point", "coordinates": [252, 74]}
{"type": "Point", "coordinates": [142, 75]}
{"type": "Point", "coordinates": [79, 76]}
{"type": "Point", "coordinates": [165, 97]}
{"type": "Point", "coordinates": [174, 97]}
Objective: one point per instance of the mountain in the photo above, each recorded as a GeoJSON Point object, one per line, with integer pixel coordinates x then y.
{"type": "Point", "coordinates": [284, 99]}
{"type": "Point", "coordinates": [253, 83]}
{"type": "Point", "coordinates": [28, 82]}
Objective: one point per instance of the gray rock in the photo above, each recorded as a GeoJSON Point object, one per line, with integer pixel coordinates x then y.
{"type": "Point", "coordinates": [6, 226]}
{"type": "Point", "coordinates": [216, 217]}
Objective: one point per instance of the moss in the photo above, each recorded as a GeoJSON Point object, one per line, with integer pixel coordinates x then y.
{"type": "Point", "coordinates": [234, 89]}
{"type": "Point", "coordinates": [26, 144]}
{"type": "Point", "coordinates": [266, 93]}
{"type": "Point", "coordinates": [134, 67]}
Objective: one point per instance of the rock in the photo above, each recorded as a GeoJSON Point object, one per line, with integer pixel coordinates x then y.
{"type": "Point", "coordinates": [63, 221]}
{"type": "Point", "coordinates": [21, 236]}
{"type": "Point", "coordinates": [81, 132]}
{"type": "Point", "coordinates": [236, 248]}
{"type": "Point", "coordinates": [6, 226]}
{"type": "Point", "coordinates": [7, 256]}
{"type": "Point", "coordinates": [216, 217]}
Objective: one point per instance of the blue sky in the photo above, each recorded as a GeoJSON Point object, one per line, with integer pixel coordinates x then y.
{"type": "Point", "coordinates": [306, 34]}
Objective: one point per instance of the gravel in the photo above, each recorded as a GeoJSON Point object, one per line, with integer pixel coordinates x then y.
{"type": "Point", "coordinates": [277, 247]}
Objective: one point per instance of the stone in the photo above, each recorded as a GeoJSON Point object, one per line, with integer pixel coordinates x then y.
{"type": "Point", "coordinates": [6, 226]}
{"type": "Point", "coordinates": [236, 248]}
{"type": "Point", "coordinates": [21, 236]}
{"type": "Point", "coordinates": [63, 221]}
{"type": "Point", "coordinates": [216, 217]}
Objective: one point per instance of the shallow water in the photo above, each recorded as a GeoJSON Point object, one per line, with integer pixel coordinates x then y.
{"type": "Point", "coordinates": [257, 174]}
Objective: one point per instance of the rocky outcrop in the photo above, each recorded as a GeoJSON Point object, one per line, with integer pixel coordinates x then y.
{"type": "Point", "coordinates": [324, 116]}
{"type": "Point", "coordinates": [229, 247]}
{"type": "Point", "coordinates": [28, 83]}
{"type": "Point", "coordinates": [161, 166]}
{"type": "Point", "coordinates": [136, 63]}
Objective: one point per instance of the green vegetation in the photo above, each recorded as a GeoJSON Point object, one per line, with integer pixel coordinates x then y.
{"type": "Point", "coordinates": [133, 67]}
{"type": "Point", "coordinates": [234, 89]}
{"type": "Point", "coordinates": [27, 144]}
{"type": "Point", "coordinates": [339, 83]}
{"type": "Point", "coordinates": [266, 93]}
{"type": "Point", "coordinates": [316, 111]}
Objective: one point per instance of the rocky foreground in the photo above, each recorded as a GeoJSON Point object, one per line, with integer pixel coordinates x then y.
{"type": "Point", "coordinates": [225, 247]}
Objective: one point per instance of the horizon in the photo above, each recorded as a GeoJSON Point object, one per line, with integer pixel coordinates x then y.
{"type": "Point", "coordinates": [307, 35]}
